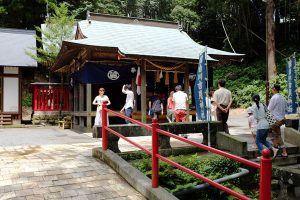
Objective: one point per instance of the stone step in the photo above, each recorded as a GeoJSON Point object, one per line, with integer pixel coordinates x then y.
{"type": "Point", "coordinates": [293, 159]}
{"type": "Point", "coordinates": [291, 149]}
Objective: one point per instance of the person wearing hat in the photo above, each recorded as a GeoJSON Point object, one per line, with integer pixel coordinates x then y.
{"type": "Point", "coordinates": [252, 125]}
{"type": "Point", "coordinates": [277, 107]}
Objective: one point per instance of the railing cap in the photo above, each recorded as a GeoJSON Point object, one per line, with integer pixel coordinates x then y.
{"type": "Point", "coordinates": [266, 153]}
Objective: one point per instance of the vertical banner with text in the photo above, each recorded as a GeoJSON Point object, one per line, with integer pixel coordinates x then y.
{"type": "Point", "coordinates": [291, 85]}
{"type": "Point", "coordinates": [200, 88]}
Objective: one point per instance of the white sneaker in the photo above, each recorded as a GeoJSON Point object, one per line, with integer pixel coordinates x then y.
{"type": "Point", "coordinates": [275, 151]}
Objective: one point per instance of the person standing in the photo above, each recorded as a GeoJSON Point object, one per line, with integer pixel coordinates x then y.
{"type": "Point", "coordinates": [180, 100]}
{"type": "Point", "coordinates": [155, 106]}
{"type": "Point", "coordinates": [262, 131]}
{"type": "Point", "coordinates": [211, 106]}
{"type": "Point", "coordinates": [223, 100]}
{"type": "Point", "coordinates": [128, 107]}
{"type": "Point", "coordinates": [99, 100]}
{"type": "Point", "coordinates": [170, 108]}
{"type": "Point", "coordinates": [252, 122]}
{"type": "Point", "coordinates": [277, 107]}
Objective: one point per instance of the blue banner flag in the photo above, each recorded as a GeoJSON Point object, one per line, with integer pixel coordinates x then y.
{"type": "Point", "coordinates": [291, 85]}
{"type": "Point", "coordinates": [200, 88]}
{"type": "Point", "coordinates": [95, 73]}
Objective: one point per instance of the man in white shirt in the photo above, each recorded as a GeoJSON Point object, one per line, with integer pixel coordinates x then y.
{"type": "Point", "coordinates": [277, 107]}
{"type": "Point", "coordinates": [180, 100]}
{"type": "Point", "coordinates": [223, 100]}
{"type": "Point", "coordinates": [128, 107]}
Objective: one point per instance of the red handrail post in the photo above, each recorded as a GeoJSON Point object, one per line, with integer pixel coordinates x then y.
{"type": "Point", "coordinates": [154, 153]}
{"type": "Point", "coordinates": [265, 175]}
{"type": "Point", "coordinates": [104, 125]}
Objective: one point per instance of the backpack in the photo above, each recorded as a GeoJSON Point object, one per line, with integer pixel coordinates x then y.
{"type": "Point", "coordinates": [156, 106]}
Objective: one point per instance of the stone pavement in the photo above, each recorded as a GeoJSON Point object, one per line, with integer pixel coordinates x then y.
{"type": "Point", "coordinates": [50, 163]}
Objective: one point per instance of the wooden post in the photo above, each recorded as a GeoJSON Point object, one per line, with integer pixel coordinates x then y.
{"type": "Point", "coordinates": [81, 103]}
{"type": "Point", "coordinates": [186, 87]}
{"type": "Point", "coordinates": [75, 103]}
{"type": "Point", "coordinates": [143, 93]}
{"type": "Point", "coordinates": [89, 105]}
{"type": "Point", "coordinates": [133, 84]}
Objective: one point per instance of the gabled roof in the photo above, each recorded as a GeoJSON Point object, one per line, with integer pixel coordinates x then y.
{"type": "Point", "coordinates": [127, 39]}
{"type": "Point", "coordinates": [140, 40]}
{"type": "Point", "coordinates": [14, 44]}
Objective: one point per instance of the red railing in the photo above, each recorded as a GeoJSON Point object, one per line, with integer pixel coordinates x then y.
{"type": "Point", "coordinates": [48, 97]}
{"type": "Point", "coordinates": [265, 165]}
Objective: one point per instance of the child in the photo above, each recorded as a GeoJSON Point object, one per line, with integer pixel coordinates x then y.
{"type": "Point", "coordinates": [252, 125]}
{"type": "Point", "coordinates": [170, 108]}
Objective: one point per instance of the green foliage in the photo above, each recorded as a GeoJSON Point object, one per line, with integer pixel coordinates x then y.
{"type": "Point", "coordinates": [24, 14]}
{"type": "Point", "coordinates": [281, 80]}
{"type": "Point", "coordinates": [176, 180]}
{"type": "Point", "coordinates": [243, 80]}
{"type": "Point", "coordinates": [243, 96]}
{"type": "Point", "coordinates": [27, 100]}
{"type": "Point", "coordinates": [187, 18]}
{"type": "Point", "coordinates": [247, 79]}
{"type": "Point", "coordinates": [114, 7]}
{"type": "Point", "coordinates": [58, 27]}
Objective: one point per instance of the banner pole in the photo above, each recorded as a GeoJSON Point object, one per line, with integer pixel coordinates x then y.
{"type": "Point", "coordinates": [209, 101]}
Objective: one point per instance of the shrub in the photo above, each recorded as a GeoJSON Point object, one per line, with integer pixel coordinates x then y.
{"type": "Point", "coordinates": [248, 78]}
{"type": "Point", "coordinates": [27, 100]}
{"type": "Point", "coordinates": [175, 180]}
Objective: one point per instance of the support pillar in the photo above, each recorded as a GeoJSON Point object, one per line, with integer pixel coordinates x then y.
{"type": "Point", "coordinates": [186, 87]}
{"type": "Point", "coordinates": [81, 104]}
{"type": "Point", "coordinates": [143, 93]}
{"type": "Point", "coordinates": [134, 86]}
{"type": "Point", "coordinates": [89, 105]}
{"type": "Point", "coordinates": [76, 103]}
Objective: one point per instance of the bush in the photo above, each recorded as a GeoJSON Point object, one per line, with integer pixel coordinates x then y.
{"type": "Point", "coordinates": [27, 100]}
{"type": "Point", "coordinates": [246, 79]}
{"type": "Point", "coordinates": [175, 180]}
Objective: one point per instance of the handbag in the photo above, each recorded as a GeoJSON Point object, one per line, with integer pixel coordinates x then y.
{"type": "Point", "coordinates": [269, 116]}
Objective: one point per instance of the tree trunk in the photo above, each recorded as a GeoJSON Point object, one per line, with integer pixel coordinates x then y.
{"type": "Point", "coordinates": [270, 40]}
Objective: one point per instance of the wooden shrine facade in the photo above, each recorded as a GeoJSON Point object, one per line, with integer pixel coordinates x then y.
{"type": "Point", "coordinates": [120, 48]}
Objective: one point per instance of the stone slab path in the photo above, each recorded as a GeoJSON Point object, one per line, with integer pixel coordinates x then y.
{"type": "Point", "coordinates": [50, 163]}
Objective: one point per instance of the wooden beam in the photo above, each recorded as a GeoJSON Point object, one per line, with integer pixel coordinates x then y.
{"type": "Point", "coordinates": [186, 86]}
{"type": "Point", "coordinates": [143, 92]}
{"type": "Point", "coordinates": [81, 103]}
{"type": "Point", "coordinates": [89, 105]}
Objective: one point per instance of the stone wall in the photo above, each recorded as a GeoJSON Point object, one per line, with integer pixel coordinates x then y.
{"type": "Point", "coordinates": [164, 141]}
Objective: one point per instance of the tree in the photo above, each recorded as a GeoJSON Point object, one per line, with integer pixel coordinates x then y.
{"type": "Point", "coordinates": [22, 13]}
{"type": "Point", "coordinates": [113, 7]}
{"type": "Point", "coordinates": [188, 19]}
{"type": "Point", "coordinates": [58, 27]}
{"type": "Point", "coordinates": [270, 40]}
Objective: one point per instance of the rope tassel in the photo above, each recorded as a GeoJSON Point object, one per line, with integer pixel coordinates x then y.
{"type": "Point", "coordinates": [175, 77]}
{"type": "Point", "coordinates": [157, 78]}
{"type": "Point", "coordinates": [167, 81]}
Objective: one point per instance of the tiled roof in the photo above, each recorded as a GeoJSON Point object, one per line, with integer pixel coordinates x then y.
{"type": "Point", "coordinates": [14, 44]}
{"type": "Point", "coordinates": [141, 40]}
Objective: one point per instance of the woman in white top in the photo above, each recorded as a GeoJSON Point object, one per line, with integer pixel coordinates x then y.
{"type": "Point", "coordinates": [99, 101]}
{"type": "Point", "coordinates": [262, 131]}
{"type": "Point", "coordinates": [129, 103]}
